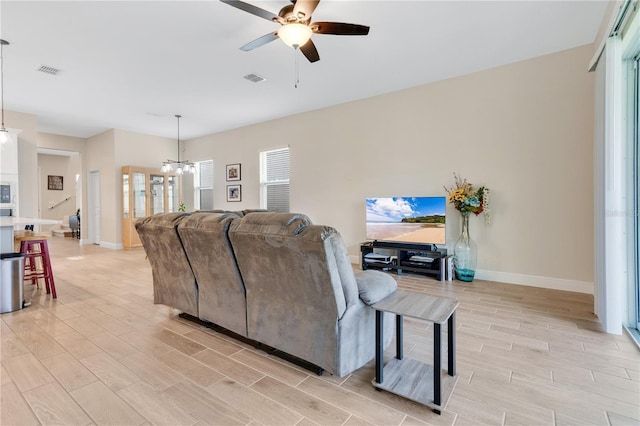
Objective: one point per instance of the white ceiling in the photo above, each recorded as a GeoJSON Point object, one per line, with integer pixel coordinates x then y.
{"type": "Point", "coordinates": [133, 65]}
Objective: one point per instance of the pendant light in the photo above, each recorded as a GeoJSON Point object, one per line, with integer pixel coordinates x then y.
{"type": "Point", "coordinates": [4, 133]}
{"type": "Point", "coordinates": [180, 166]}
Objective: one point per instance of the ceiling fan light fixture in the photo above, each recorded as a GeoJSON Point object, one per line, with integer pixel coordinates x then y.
{"type": "Point", "coordinates": [295, 34]}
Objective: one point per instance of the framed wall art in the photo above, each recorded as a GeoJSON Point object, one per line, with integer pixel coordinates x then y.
{"type": "Point", "coordinates": [55, 183]}
{"type": "Point", "coordinates": [233, 172]}
{"type": "Point", "coordinates": [234, 193]}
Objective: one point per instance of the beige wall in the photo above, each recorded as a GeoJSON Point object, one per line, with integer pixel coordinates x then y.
{"type": "Point", "coordinates": [27, 160]}
{"type": "Point", "coordinates": [62, 143]}
{"type": "Point", "coordinates": [525, 130]}
{"type": "Point", "coordinates": [138, 149]}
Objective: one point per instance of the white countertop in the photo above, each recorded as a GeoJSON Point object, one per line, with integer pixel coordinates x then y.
{"type": "Point", "coordinates": [16, 220]}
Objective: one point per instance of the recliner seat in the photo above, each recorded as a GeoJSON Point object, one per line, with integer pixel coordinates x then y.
{"type": "Point", "coordinates": [173, 281]}
{"type": "Point", "coordinates": [221, 292]}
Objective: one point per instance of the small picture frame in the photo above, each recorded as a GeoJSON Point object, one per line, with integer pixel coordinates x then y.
{"type": "Point", "coordinates": [55, 183]}
{"type": "Point", "coordinates": [234, 193]}
{"type": "Point", "coordinates": [233, 172]}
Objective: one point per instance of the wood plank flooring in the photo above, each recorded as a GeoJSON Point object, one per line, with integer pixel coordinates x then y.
{"type": "Point", "coordinates": [103, 353]}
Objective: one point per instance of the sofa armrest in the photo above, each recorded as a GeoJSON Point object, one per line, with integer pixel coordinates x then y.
{"type": "Point", "coordinates": [373, 286]}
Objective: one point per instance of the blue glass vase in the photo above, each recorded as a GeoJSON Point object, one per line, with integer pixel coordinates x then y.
{"type": "Point", "coordinates": [465, 253]}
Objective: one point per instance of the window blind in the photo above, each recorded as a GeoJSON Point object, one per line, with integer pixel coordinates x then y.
{"type": "Point", "coordinates": [205, 185]}
{"type": "Point", "coordinates": [276, 180]}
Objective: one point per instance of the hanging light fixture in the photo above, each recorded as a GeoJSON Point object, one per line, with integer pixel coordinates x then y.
{"type": "Point", "coordinates": [180, 166]}
{"type": "Point", "coordinates": [4, 133]}
{"type": "Point", "coordinates": [295, 34]}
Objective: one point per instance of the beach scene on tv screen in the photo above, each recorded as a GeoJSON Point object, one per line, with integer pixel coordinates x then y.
{"type": "Point", "coordinates": [407, 219]}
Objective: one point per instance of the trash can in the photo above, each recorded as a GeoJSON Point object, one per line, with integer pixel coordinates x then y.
{"type": "Point", "coordinates": [11, 282]}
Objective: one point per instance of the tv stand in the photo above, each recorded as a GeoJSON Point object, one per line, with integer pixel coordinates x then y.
{"type": "Point", "coordinates": [412, 257]}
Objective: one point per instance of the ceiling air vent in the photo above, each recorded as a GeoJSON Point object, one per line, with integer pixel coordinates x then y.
{"type": "Point", "coordinates": [254, 77]}
{"type": "Point", "coordinates": [48, 70]}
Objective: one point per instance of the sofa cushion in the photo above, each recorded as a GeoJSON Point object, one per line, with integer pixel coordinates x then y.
{"type": "Point", "coordinates": [247, 211]}
{"type": "Point", "coordinates": [204, 219]}
{"type": "Point", "coordinates": [373, 286]}
{"type": "Point", "coordinates": [240, 213]}
{"type": "Point", "coordinates": [285, 224]}
{"type": "Point", "coordinates": [237, 213]}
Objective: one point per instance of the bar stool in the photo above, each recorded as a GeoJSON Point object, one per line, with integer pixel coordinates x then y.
{"type": "Point", "coordinates": [34, 247]}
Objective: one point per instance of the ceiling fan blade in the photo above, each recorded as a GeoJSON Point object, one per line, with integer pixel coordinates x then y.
{"type": "Point", "coordinates": [310, 52]}
{"type": "Point", "coordinates": [339, 28]}
{"type": "Point", "coordinates": [254, 10]}
{"type": "Point", "coordinates": [304, 8]}
{"type": "Point", "coordinates": [260, 41]}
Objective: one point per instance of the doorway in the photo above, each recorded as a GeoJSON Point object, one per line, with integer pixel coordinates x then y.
{"type": "Point", "coordinates": [60, 202]}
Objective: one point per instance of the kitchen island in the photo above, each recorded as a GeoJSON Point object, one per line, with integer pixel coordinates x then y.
{"type": "Point", "coordinates": [8, 225]}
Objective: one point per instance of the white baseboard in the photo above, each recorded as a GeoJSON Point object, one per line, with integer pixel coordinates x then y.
{"type": "Point", "coordinates": [520, 279]}
{"type": "Point", "coordinates": [536, 281]}
{"type": "Point", "coordinates": [113, 246]}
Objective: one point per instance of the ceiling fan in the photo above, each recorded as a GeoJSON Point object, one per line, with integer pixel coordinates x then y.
{"type": "Point", "coordinates": [296, 26]}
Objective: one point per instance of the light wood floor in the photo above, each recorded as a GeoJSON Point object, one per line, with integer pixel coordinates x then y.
{"type": "Point", "coordinates": [103, 353]}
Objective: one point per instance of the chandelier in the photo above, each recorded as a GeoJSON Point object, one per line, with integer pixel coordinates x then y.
{"type": "Point", "coordinates": [180, 166]}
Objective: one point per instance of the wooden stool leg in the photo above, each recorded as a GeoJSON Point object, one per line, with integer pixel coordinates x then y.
{"type": "Point", "coordinates": [26, 247]}
{"type": "Point", "coordinates": [40, 273]}
{"type": "Point", "coordinates": [48, 272]}
{"type": "Point", "coordinates": [37, 248]}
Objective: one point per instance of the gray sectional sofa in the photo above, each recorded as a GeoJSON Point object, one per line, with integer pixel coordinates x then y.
{"type": "Point", "coordinates": [274, 278]}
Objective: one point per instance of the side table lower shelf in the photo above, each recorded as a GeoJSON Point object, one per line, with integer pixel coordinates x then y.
{"type": "Point", "coordinates": [413, 380]}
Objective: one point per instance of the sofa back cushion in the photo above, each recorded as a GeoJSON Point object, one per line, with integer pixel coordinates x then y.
{"type": "Point", "coordinates": [221, 290]}
{"type": "Point", "coordinates": [293, 282]}
{"type": "Point", "coordinates": [240, 213]}
{"type": "Point", "coordinates": [273, 224]}
{"type": "Point", "coordinates": [173, 281]}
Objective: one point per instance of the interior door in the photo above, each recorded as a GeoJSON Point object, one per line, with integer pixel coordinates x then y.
{"type": "Point", "coordinates": [156, 194]}
{"type": "Point", "coordinates": [94, 207]}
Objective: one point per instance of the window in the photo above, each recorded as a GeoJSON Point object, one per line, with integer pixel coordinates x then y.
{"type": "Point", "coordinates": [203, 185]}
{"type": "Point", "coordinates": [274, 180]}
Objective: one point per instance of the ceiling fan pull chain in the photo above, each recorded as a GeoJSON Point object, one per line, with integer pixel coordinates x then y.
{"type": "Point", "coordinates": [297, 66]}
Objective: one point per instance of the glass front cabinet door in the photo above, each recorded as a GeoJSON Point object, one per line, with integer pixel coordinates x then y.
{"type": "Point", "coordinates": [145, 192]}
{"type": "Point", "coordinates": [156, 194]}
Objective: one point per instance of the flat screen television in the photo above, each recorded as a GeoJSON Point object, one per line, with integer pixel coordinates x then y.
{"type": "Point", "coordinates": [407, 219]}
